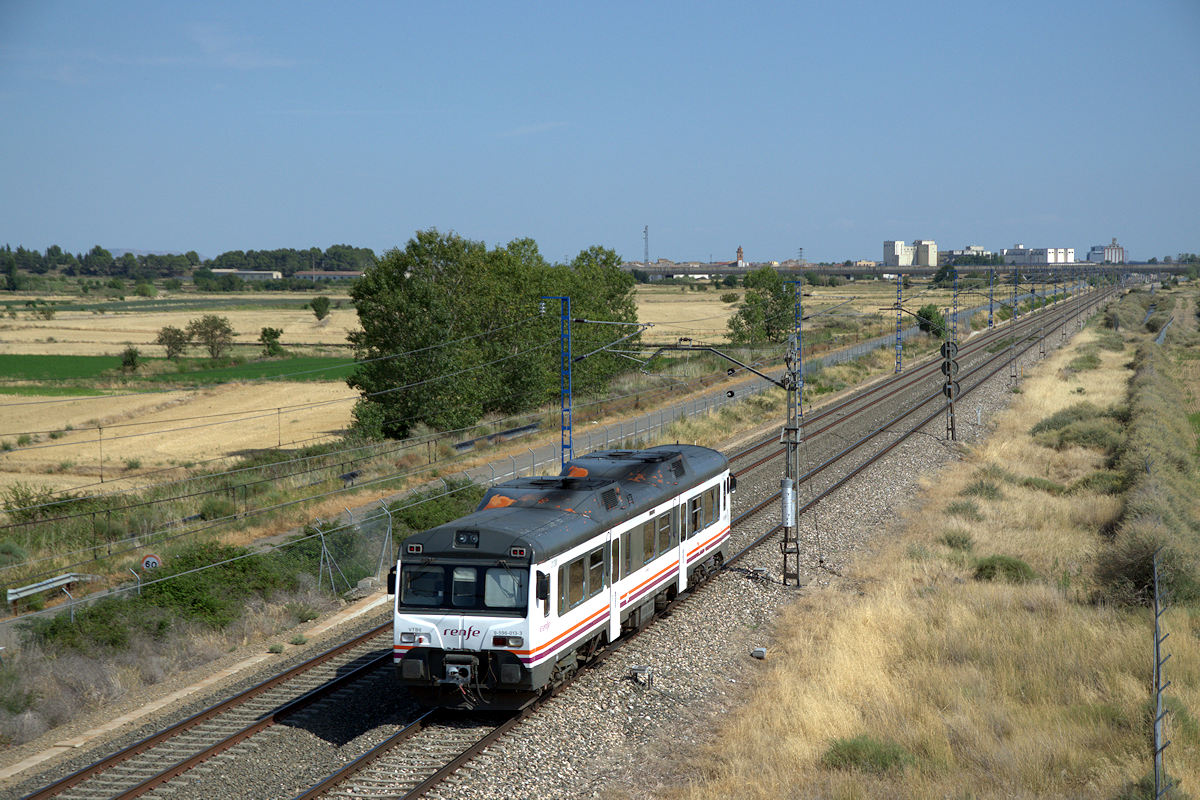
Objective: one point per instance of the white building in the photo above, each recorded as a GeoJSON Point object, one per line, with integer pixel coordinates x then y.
{"type": "Point", "coordinates": [1107, 253]}
{"type": "Point", "coordinates": [921, 253]}
{"type": "Point", "coordinates": [1020, 254]}
{"type": "Point", "coordinates": [946, 256]}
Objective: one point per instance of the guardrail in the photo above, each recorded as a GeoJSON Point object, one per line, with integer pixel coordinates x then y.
{"type": "Point", "coordinates": [58, 582]}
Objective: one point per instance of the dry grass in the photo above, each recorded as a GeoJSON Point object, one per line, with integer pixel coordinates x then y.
{"type": "Point", "coordinates": [991, 689]}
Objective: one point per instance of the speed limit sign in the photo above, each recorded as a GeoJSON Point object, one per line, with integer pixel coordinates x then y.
{"type": "Point", "coordinates": [151, 561]}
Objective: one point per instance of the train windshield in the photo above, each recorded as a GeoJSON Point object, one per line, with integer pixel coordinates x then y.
{"type": "Point", "coordinates": [464, 588]}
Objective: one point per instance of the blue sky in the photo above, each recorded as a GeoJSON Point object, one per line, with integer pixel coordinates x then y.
{"type": "Point", "coordinates": [829, 126]}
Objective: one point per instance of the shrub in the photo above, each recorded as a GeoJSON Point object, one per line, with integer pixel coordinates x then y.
{"type": "Point", "coordinates": [958, 540]}
{"type": "Point", "coordinates": [133, 463]}
{"type": "Point", "coordinates": [131, 359]}
{"type": "Point", "coordinates": [1103, 481]}
{"type": "Point", "coordinates": [301, 612]}
{"type": "Point", "coordinates": [1042, 485]}
{"type": "Point", "coordinates": [1085, 361]}
{"type": "Point", "coordinates": [299, 639]}
{"type": "Point", "coordinates": [11, 553]}
{"type": "Point", "coordinates": [24, 439]}
{"type": "Point", "coordinates": [730, 297]}
{"type": "Point", "coordinates": [275, 648]}
{"type": "Point", "coordinates": [866, 753]}
{"type": "Point", "coordinates": [216, 508]}
{"type": "Point", "coordinates": [1005, 568]}
{"type": "Point", "coordinates": [966, 509]}
{"type": "Point", "coordinates": [984, 489]}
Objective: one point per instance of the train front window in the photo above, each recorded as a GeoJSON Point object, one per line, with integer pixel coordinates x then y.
{"type": "Point", "coordinates": [504, 588]}
{"type": "Point", "coordinates": [422, 586]}
{"type": "Point", "coordinates": [466, 587]}
{"type": "Point", "coordinates": [462, 588]}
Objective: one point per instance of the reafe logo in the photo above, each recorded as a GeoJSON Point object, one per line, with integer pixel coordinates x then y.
{"type": "Point", "coordinates": [467, 633]}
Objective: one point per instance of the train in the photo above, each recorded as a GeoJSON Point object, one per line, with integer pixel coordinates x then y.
{"type": "Point", "coordinates": [493, 609]}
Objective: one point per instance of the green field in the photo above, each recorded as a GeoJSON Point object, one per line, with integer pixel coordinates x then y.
{"type": "Point", "coordinates": [82, 369]}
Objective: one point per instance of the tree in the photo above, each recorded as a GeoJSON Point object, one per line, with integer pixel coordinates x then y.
{"type": "Point", "coordinates": [766, 313]}
{"type": "Point", "coordinates": [450, 329]}
{"type": "Point", "coordinates": [214, 333]}
{"type": "Point", "coordinates": [145, 290]}
{"type": "Point", "coordinates": [930, 320]}
{"type": "Point", "coordinates": [131, 359]}
{"type": "Point", "coordinates": [269, 338]}
{"type": "Point", "coordinates": [320, 307]}
{"type": "Point", "coordinates": [172, 284]}
{"type": "Point", "coordinates": [174, 340]}
{"type": "Point", "coordinates": [98, 261]}
{"type": "Point", "coordinates": [945, 276]}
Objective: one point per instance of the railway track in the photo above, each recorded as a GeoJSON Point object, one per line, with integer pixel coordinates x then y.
{"type": "Point", "coordinates": [155, 760]}
{"type": "Point", "coordinates": [433, 747]}
{"type": "Point", "coordinates": [385, 770]}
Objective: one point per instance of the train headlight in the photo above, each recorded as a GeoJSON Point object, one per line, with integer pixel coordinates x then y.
{"type": "Point", "coordinates": [408, 638]}
{"type": "Point", "coordinates": [508, 641]}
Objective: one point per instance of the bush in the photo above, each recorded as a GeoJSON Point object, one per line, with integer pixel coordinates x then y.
{"type": "Point", "coordinates": [131, 359]}
{"type": "Point", "coordinates": [730, 297]}
{"type": "Point", "coordinates": [299, 639]}
{"type": "Point", "coordinates": [216, 508]}
{"type": "Point", "coordinates": [275, 648]}
{"type": "Point", "coordinates": [984, 489]}
{"type": "Point", "coordinates": [1103, 481]}
{"type": "Point", "coordinates": [866, 753]}
{"type": "Point", "coordinates": [966, 509]}
{"type": "Point", "coordinates": [958, 540]}
{"type": "Point", "coordinates": [1005, 568]}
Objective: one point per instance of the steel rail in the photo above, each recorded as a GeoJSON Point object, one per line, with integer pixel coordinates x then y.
{"type": "Point", "coordinates": [874, 458]}
{"type": "Point", "coordinates": [812, 433]}
{"type": "Point", "coordinates": [143, 745]}
{"type": "Point", "coordinates": [920, 372]}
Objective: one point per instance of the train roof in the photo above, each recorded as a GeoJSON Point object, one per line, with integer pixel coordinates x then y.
{"type": "Point", "coordinates": [547, 515]}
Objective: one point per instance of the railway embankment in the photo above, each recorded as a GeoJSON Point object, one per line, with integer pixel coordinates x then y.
{"type": "Point", "coordinates": [1000, 636]}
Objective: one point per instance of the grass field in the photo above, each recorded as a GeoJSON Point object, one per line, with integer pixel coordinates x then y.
{"type": "Point", "coordinates": [920, 674]}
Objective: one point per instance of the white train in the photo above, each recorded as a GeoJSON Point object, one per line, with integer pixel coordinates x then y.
{"type": "Point", "coordinates": [497, 606]}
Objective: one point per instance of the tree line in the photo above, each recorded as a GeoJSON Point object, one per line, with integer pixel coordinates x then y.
{"type": "Point", "coordinates": [452, 330]}
{"type": "Point", "coordinates": [99, 262]}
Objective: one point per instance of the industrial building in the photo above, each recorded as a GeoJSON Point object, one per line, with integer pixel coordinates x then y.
{"type": "Point", "coordinates": [1107, 253]}
{"type": "Point", "coordinates": [1020, 254]}
{"type": "Point", "coordinates": [947, 256]}
{"type": "Point", "coordinates": [921, 253]}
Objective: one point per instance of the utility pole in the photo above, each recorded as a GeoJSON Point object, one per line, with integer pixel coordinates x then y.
{"type": "Point", "coordinates": [646, 243]}
{"type": "Point", "coordinates": [564, 373]}
{"type": "Point", "coordinates": [794, 384]}
{"type": "Point", "coordinates": [899, 336]}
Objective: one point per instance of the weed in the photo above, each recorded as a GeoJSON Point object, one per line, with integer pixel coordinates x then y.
{"type": "Point", "coordinates": [967, 509]}
{"type": "Point", "coordinates": [1085, 361]}
{"type": "Point", "coordinates": [133, 463]}
{"type": "Point", "coordinates": [983, 489]}
{"type": "Point", "coordinates": [301, 612]}
{"type": "Point", "coordinates": [1042, 485]}
{"type": "Point", "coordinates": [866, 753]}
{"type": "Point", "coordinates": [917, 552]}
{"type": "Point", "coordinates": [958, 540]}
{"type": "Point", "coordinates": [275, 648]}
{"type": "Point", "coordinates": [1005, 568]}
{"type": "Point", "coordinates": [299, 639]}
{"type": "Point", "coordinates": [6, 445]}
{"type": "Point", "coordinates": [1103, 481]}
{"type": "Point", "coordinates": [216, 508]}
{"type": "Point", "coordinates": [24, 439]}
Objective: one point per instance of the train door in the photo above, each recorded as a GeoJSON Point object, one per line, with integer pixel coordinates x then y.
{"type": "Point", "coordinates": [679, 532]}
{"type": "Point", "coordinates": [613, 570]}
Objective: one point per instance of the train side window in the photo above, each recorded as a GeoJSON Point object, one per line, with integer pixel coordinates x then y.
{"type": "Point", "coordinates": [710, 504]}
{"type": "Point", "coordinates": [648, 542]}
{"type": "Point", "coordinates": [595, 571]}
{"type": "Point", "coordinates": [695, 523]}
{"type": "Point", "coordinates": [575, 578]}
{"type": "Point", "coordinates": [626, 553]}
{"type": "Point", "coordinates": [615, 559]}
{"type": "Point", "coordinates": [665, 538]}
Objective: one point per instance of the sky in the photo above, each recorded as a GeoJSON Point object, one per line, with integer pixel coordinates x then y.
{"type": "Point", "coordinates": [827, 126]}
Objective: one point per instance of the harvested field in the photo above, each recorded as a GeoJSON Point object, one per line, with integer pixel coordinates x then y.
{"type": "Point", "coordinates": [163, 430]}
{"type": "Point", "coordinates": [89, 333]}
